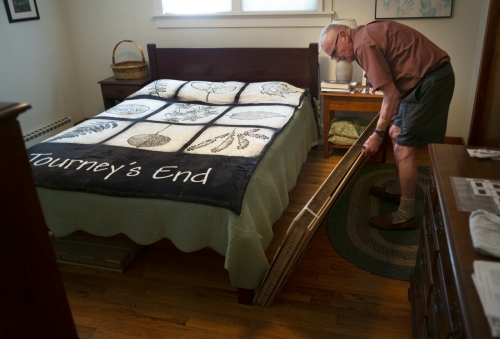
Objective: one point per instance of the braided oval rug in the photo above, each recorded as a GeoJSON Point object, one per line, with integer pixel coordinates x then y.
{"type": "Point", "coordinates": [388, 253]}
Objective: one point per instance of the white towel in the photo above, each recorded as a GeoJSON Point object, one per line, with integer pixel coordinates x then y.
{"type": "Point", "coordinates": [485, 232]}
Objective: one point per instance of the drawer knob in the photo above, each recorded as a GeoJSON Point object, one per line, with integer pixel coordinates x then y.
{"type": "Point", "coordinates": [428, 230]}
{"type": "Point", "coordinates": [430, 184]}
{"type": "Point", "coordinates": [417, 290]}
{"type": "Point", "coordinates": [455, 320]}
{"type": "Point", "coordinates": [423, 262]}
{"type": "Point", "coordinates": [121, 91]}
{"type": "Point", "coordinates": [438, 307]}
{"type": "Point", "coordinates": [429, 329]}
{"type": "Point", "coordinates": [439, 223]}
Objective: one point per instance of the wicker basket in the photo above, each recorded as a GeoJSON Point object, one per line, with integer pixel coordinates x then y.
{"type": "Point", "coordinates": [127, 70]}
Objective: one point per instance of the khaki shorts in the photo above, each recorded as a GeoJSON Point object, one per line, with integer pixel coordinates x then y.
{"type": "Point", "coordinates": [423, 114]}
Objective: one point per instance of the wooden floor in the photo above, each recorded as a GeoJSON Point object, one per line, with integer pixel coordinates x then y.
{"type": "Point", "coordinates": [166, 293]}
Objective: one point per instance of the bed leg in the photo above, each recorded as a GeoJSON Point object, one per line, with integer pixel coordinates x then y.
{"type": "Point", "coordinates": [245, 296]}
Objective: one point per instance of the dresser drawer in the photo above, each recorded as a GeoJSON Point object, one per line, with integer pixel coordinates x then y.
{"type": "Point", "coordinates": [430, 329]}
{"type": "Point", "coordinates": [118, 91]}
{"type": "Point", "coordinates": [434, 330]}
{"type": "Point", "coordinates": [440, 238]}
{"type": "Point", "coordinates": [425, 267]}
{"type": "Point", "coordinates": [431, 189]}
{"type": "Point", "coordinates": [439, 304]}
{"type": "Point", "coordinates": [454, 315]}
{"type": "Point", "coordinates": [416, 296]}
{"type": "Point", "coordinates": [429, 228]}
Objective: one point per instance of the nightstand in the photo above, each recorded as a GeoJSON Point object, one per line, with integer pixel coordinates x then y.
{"type": "Point", "coordinates": [354, 102]}
{"type": "Point", "coordinates": [115, 90]}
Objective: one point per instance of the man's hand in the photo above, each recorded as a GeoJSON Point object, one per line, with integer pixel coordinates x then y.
{"type": "Point", "coordinates": [372, 145]}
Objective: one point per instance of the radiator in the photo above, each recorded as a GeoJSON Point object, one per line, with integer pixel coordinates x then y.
{"type": "Point", "coordinates": [51, 129]}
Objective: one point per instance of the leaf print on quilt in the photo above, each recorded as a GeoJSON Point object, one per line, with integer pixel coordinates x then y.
{"type": "Point", "coordinates": [251, 133]}
{"type": "Point", "coordinates": [89, 128]}
{"type": "Point", "coordinates": [157, 87]}
{"type": "Point", "coordinates": [126, 109]}
{"type": "Point", "coordinates": [212, 87]}
{"type": "Point", "coordinates": [187, 112]}
{"type": "Point", "coordinates": [149, 140]}
{"type": "Point", "coordinates": [229, 140]}
{"type": "Point", "coordinates": [259, 115]}
{"type": "Point", "coordinates": [276, 88]}
{"type": "Point", "coordinates": [206, 142]}
{"type": "Point", "coordinates": [225, 144]}
{"type": "Point", "coordinates": [242, 142]}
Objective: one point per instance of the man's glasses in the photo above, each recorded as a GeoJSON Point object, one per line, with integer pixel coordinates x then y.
{"type": "Point", "coordinates": [334, 52]}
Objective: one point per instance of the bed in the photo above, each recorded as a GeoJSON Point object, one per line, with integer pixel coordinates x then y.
{"type": "Point", "coordinates": [241, 233]}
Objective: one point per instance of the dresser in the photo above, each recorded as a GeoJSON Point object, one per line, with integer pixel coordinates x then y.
{"type": "Point", "coordinates": [33, 299]}
{"type": "Point", "coordinates": [444, 300]}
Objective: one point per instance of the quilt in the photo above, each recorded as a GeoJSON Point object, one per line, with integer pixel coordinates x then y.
{"type": "Point", "coordinates": [190, 141]}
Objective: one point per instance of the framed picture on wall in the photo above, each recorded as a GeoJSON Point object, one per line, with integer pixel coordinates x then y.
{"type": "Point", "coordinates": [412, 9]}
{"type": "Point", "coordinates": [21, 10]}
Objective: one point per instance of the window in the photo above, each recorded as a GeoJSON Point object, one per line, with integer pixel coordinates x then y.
{"type": "Point", "coordinates": [242, 13]}
{"type": "Point", "coordinates": [196, 6]}
{"type": "Point", "coordinates": [278, 5]}
{"type": "Point", "coordinates": [221, 6]}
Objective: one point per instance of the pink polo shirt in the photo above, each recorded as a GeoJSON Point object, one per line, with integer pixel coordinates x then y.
{"type": "Point", "coordinates": [392, 52]}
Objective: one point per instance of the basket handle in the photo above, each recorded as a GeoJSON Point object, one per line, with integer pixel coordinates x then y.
{"type": "Point", "coordinates": [135, 43]}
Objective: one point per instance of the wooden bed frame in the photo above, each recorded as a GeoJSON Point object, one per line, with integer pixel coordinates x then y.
{"type": "Point", "coordinates": [296, 66]}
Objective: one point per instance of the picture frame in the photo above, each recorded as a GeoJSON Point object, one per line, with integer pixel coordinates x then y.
{"type": "Point", "coordinates": [413, 9]}
{"type": "Point", "coordinates": [21, 10]}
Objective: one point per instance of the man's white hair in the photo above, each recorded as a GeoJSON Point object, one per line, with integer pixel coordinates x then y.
{"type": "Point", "coordinates": [330, 31]}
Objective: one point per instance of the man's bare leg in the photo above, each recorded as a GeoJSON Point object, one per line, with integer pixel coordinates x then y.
{"type": "Point", "coordinates": [406, 170]}
{"type": "Point", "coordinates": [408, 175]}
{"type": "Point", "coordinates": [395, 188]}
{"type": "Point", "coordinates": [406, 165]}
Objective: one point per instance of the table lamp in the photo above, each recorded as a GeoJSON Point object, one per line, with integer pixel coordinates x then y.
{"type": "Point", "coordinates": [343, 69]}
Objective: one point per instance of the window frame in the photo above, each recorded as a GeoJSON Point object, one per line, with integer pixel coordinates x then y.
{"type": "Point", "coordinates": [237, 18]}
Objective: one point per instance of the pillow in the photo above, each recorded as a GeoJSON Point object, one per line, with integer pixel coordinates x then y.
{"type": "Point", "coordinates": [340, 140]}
{"type": "Point", "coordinates": [348, 127]}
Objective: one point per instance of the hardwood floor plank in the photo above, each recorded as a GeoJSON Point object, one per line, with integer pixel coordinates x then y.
{"type": "Point", "coordinates": [129, 313]}
{"type": "Point", "coordinates": [85, 332]}
{"type": "Point", "coordinates": [252, 328]}
{"type": "Point", "coordinates": [78, 269]}
{"type": "Point", "coordinates": [219, 307]}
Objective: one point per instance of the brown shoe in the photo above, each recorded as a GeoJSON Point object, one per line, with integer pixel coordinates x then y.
{"type": "Point", "coordinates": [385, 222]}
{"type": "Point", "coordinates": [380, 192]}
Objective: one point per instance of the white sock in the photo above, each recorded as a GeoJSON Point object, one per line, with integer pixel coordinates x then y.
{"type": "Point", "coordinates": [405, 211]}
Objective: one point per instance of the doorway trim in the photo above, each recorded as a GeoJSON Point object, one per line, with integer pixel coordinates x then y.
{"type": "Point", "coordinates": [477, 128]}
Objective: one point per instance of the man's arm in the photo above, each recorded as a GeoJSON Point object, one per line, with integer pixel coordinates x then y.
{"type": "Point", "coordinates": [389, 110]}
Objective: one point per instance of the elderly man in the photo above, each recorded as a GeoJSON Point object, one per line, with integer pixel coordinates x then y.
{"type": "Point", "coordinates": [417, 80]}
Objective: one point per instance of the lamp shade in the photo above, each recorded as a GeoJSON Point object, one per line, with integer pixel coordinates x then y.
{"type": "Point", "coordinates": [343, 69]}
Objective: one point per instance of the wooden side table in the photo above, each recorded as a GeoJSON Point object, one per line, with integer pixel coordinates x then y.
{"type": "Point", "coordinates": [353, 102]}
{"type": "Point", "coordinates": [115, 90]}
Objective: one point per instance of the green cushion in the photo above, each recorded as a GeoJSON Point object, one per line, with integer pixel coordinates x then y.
{"type": "Point", "coordinates": [339, 140]}
{"type": "Point", "coordinates": [348, 127]}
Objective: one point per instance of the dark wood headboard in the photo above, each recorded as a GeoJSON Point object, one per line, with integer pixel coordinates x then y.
{"type": "Point", "coordinates": [296, 66]}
